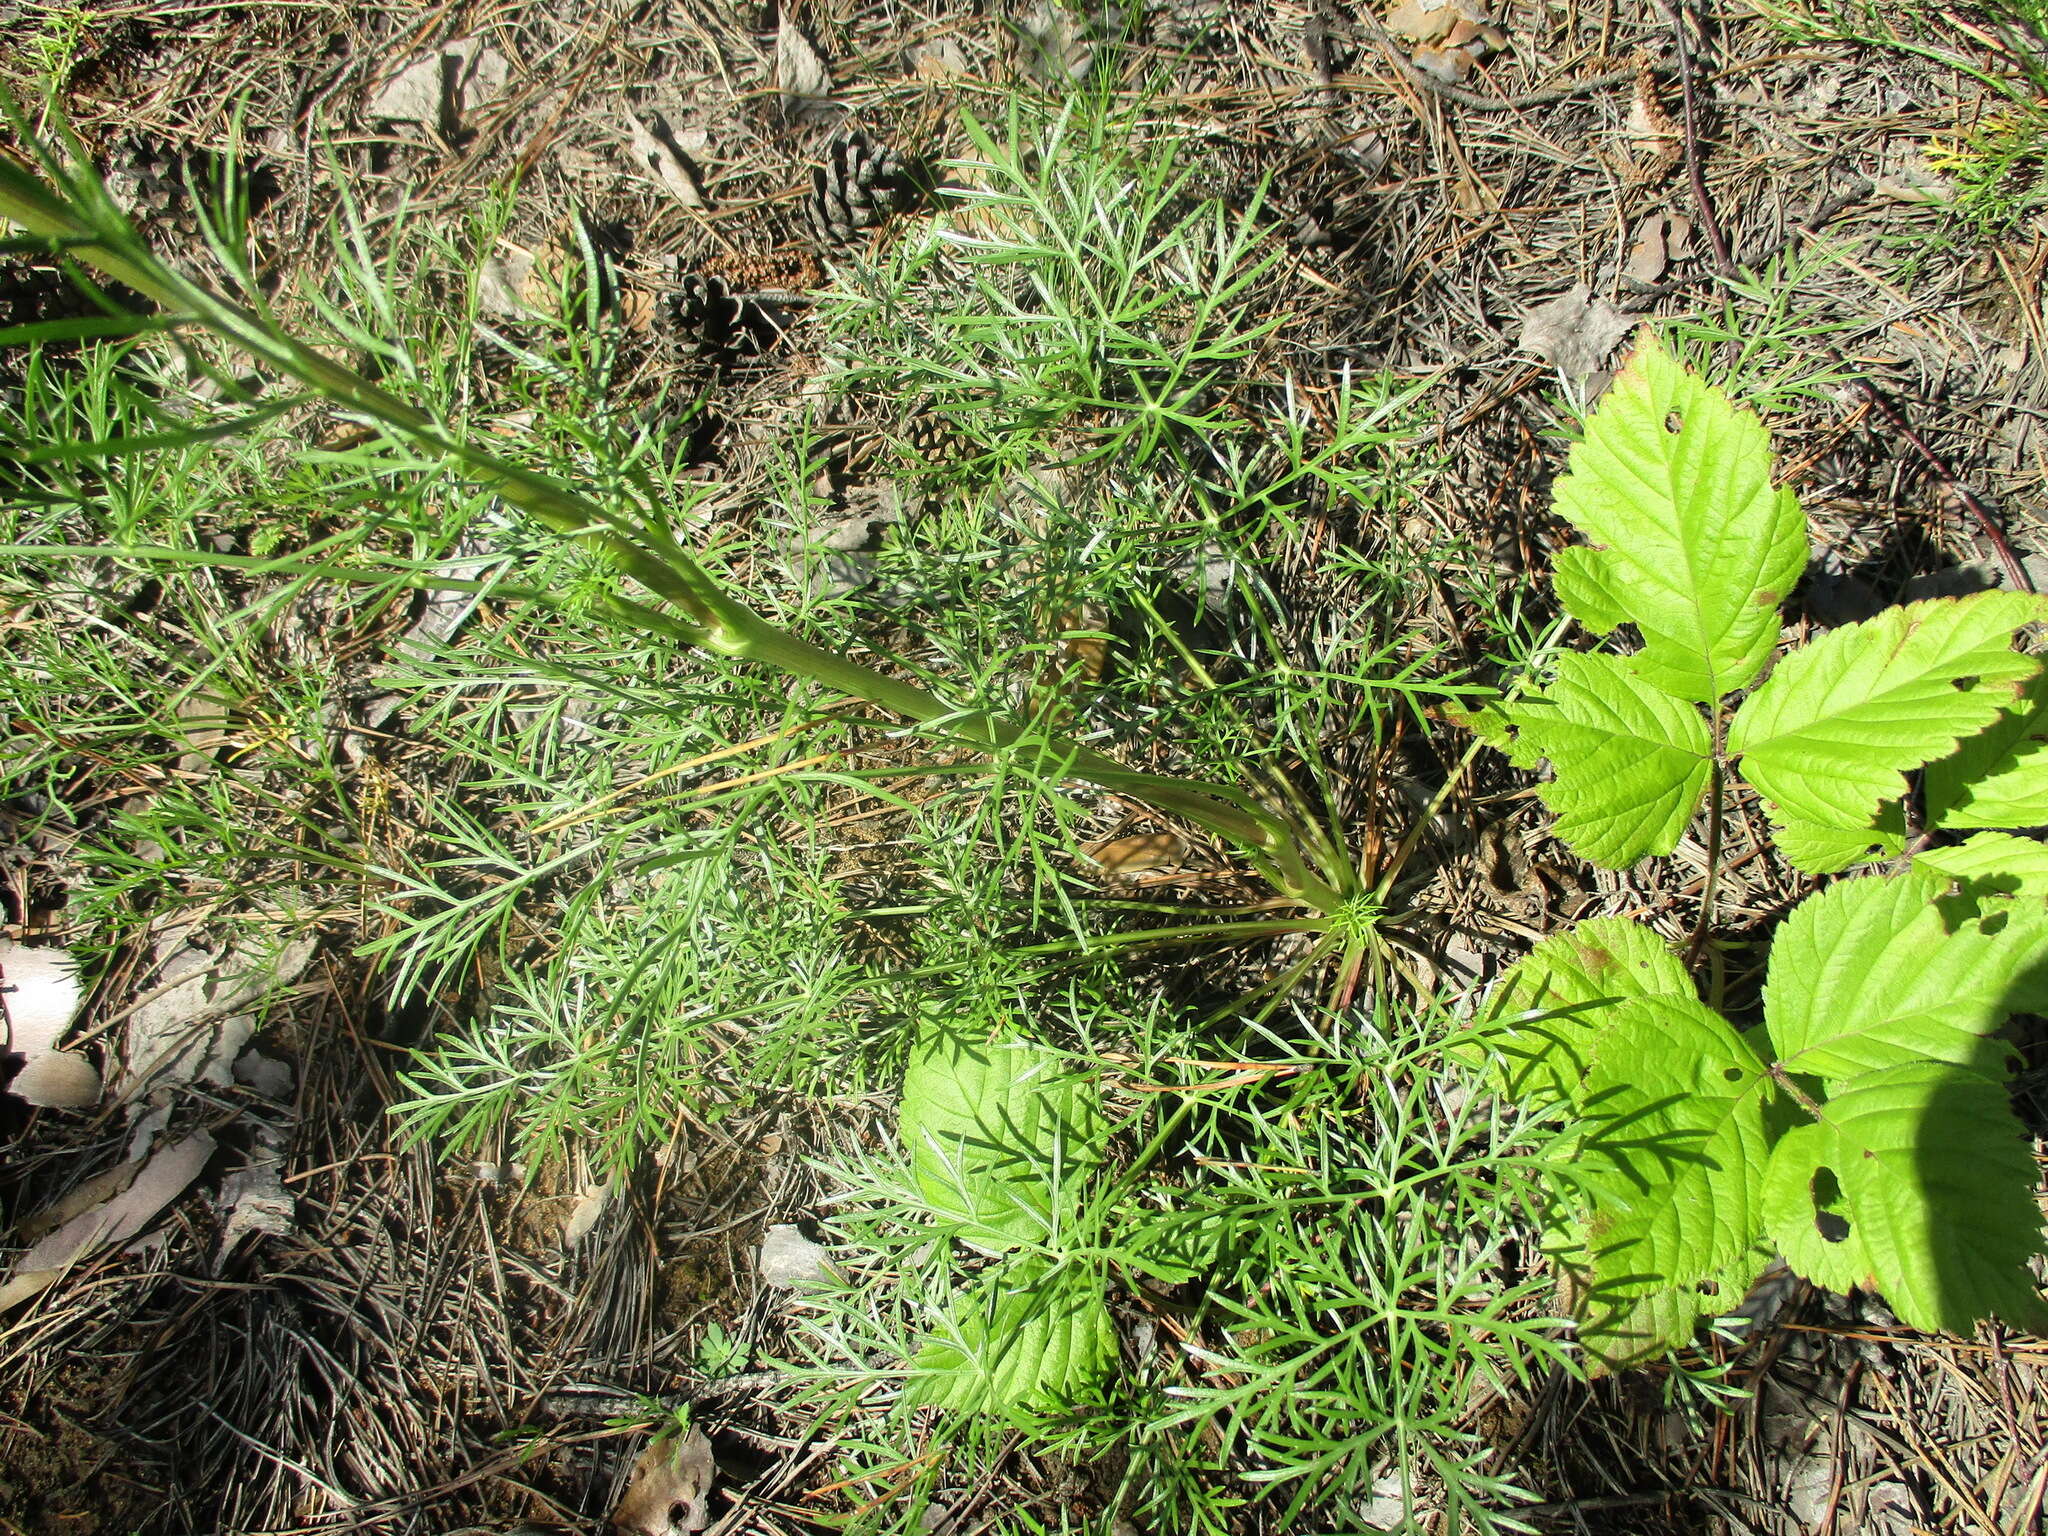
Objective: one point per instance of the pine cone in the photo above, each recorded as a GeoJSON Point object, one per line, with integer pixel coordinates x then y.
{"type": "Point", "coordinates": [705, 318]}
{"type": "Point", "coordinates": [931, 439]}
{"type": "Point", "coordinates": [858, 187]}
{"type": "Point", "coordinates": [714, 325]}
{"type": "Point", "coordinates": [146, 180]}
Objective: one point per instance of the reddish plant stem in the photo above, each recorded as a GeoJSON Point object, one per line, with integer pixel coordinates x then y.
{"type": "Point", "coordinates": [1896, 420]}
{"type": "Point", "coordinates": [1695, 170]}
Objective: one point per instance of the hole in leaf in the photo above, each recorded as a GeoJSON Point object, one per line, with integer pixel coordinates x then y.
{"type": "Point", "coordinates": [1674, 423]}
{"type": "Point", "coordinates": [1826, 1189]}
{"type": "Point", "coordinates": [1732, 1074]}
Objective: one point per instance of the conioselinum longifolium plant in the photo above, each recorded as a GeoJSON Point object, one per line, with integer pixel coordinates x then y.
{"type": "Point", "coordinates": [1861, 1128]}
{"type": "Point", "coordinates": [665, 587]}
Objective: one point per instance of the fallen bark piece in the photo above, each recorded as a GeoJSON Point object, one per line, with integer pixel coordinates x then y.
{"type": "Point", "coordinates": [254, 1195]}
{"type": "Point", "coordinates": [194, 1030]}
{"type": "Point", "coordinates": [800, 73]}
{"type": "Point", "coordinates": [656, 152]}
{"type": "Point", "coordinates": [1575, 332]}
{"type": "Point", "coordinates": [789, 1259]}
{"type": "Point", "coordinates": [671, 1487]}
{"type": "Point", "coordinates": [440, 88]}
{"type": "Point", "coordinates": [159, 1179]}
{"type": "Point", "coordinates": [39, 993]}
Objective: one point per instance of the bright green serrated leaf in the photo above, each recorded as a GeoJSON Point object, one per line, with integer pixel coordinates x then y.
{"type": "Point", "coordinates": [1026, 1336]}
{"type": "Point", "coordinates": [1992, 863]}
{"type": "Point", "coordinates": [1804, 1215]}
{"type": "Point", "coordinates": [999, 1133]}
{"type": "Point", "coordinates": [1671, 1146]}
{"type": "Point", "coordinates": [1582, 579]}
{"type": "Point", "coordinates": [1629, 1330]}
{"type": "Point", "coordinates": [1829, 735]}
{"type": "Point", "coordinates": [1928, 1190]}
{"type": "Point", "coordinates": [1822, 850]}
{"type": "Point", "coordinates": [1491, 723]}
{"type": "Point", "coordinates": [1999, 777]}
{"type": "Point", "coordinates": [1631, 761]}
{"type": "Point", "coordinates": [1699, 549]}
{"type": "Point", "coordinates": [1567, 981]}
{"type": "Point", "coordinates": [1881, 971]}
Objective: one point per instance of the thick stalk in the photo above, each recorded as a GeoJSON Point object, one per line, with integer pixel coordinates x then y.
{"type": "Point", "coordinates": [710, 617]}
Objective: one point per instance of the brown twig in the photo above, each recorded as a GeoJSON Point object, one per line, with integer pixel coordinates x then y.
{"type": "Point", "coordinates": [1896, 420]}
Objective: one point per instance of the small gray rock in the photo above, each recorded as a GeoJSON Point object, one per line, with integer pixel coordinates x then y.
{"type": "Point", "coordinates": [789, 1259]}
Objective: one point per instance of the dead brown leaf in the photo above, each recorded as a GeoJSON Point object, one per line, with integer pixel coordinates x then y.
{"type": "Point", "coordinates": [800, 73]}
{"type": "Point", "coordinates": [941, 59]}
{"type": "Point", "coordinates": [1057, 45]}
{"type": "Point", "coordinates": [585, 1213]}
{"type": "Point", "coordinates": [1422, 21]}
{"type": "Point", "coordinates": [1661, 238]}
{"type": "Point", "coordinates": [1450, 36]}
{"type": "Point", "coordinates": [1139, 852]}
{"type": "Point", "coordinates": [504, 283]}
{"type": "Point", "coordinates": [1084, 644]}
{"type": "Point", "coordinates": [656, 153]}
{"type": "Point", "coordinates": [670, 1487]}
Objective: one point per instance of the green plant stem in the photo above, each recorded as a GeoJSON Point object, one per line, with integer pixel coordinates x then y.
{"type": "Point", "coordinates": [1797, 1094]}
{"type": "Point", "coordinates": [710, 617]}
{"type": "Point", "coordinates": [1710, 881]}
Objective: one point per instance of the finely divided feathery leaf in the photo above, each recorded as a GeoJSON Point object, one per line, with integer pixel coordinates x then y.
{"type": "Point", "coordinates": [1829, 735]}
{"type": "Point", "coordinates": [1178, 1246]}
{"type": "Point", "coordinates": [1916, 1183]}
{"type": "Point", "coordinates": [1631, 761]}
{"type": "Point", "coordinates": [1999, 777]}
{"type": "Point", "coordinates": [1001, 1134]}
{"type": "Point", "coordinates": [1698, 547]}
{"type": "Point", "coordinates": [1880, 972]}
